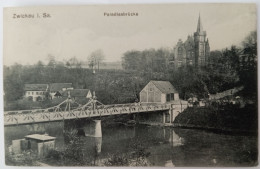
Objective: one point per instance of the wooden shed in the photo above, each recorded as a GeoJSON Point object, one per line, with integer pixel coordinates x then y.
{"type": "Point", "coordinates": [158, 92]}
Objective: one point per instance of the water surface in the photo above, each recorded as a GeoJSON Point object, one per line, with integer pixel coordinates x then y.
{"type": "Point", "coordinates": [164, 146]}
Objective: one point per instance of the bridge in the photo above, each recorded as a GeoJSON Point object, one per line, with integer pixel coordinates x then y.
{"type": "Point", "coordinates": [69, 109]}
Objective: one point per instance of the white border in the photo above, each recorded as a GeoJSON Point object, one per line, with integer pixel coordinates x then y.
{"type": "Point", "coordinates": [17, 3]}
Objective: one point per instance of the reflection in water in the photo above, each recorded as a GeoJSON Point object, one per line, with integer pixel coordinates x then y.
{"type": "Point", "coordinates": [166, 146]}
{"type": "Point", "coordinates": [175, 140]}
{"type": "Point", "coordinates": [98, 144]}
{"type": "Point", "coordinates": [169, 163]}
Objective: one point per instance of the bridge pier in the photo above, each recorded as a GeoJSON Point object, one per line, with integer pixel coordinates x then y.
{"type": "Point", "coordinates": [97, 136]}
{"type": "Point", "coordinates": [175, 109]}
{"type": "Point", "coordinates": [98, 144]}
{"type": "Point", "coordinates": [97, 128]}
{"type": "Point", "coordinates": [168, 115]}
{"type": "Point", "coordinates": [164, 118]}
{"type": "Point", "coordinates": [170, 112]}
{"type": "Point", "coordinates": [93, 130]}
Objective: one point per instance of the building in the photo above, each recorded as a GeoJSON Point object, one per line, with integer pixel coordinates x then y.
{"type": "Point", "coordinates": [56, 88]}
{"type": "Point", "coordinates": [39, 144]}
{"type": "Point", "coordinates": [35, 92]}
{"type": "Point", "coordinates": [158, 92]}
{"type": "Point", "coordinates": [195, 51]}
{"type": "Point", "coordinates": [77, 93]}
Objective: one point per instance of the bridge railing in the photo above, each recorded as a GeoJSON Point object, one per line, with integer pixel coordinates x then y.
{"type": "Point", "coordinates": [45, 116]}
{"type": "Point", "coordinates": [55, 108]}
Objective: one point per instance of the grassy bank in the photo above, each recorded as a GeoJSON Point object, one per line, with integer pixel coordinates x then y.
{"type": "Point", "coordinates": [226, 118]}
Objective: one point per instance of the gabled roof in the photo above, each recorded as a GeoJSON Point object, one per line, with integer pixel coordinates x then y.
{"type": "Point", "coordinates": [189, 43]}
{"type": "Point", "coordinates": [54, 87]}
{"type": "Point", "coordinates": [35, 87]}
{"type": "Point", "coordinates": [164, 86]}
{"type": "Point", "coordinates": [76, 93]}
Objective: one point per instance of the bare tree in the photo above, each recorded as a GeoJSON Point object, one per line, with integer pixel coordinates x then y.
{"type": "Point", "coordinates": [74, 62]}
{"type": "Point", "coordinates": [95, 58]}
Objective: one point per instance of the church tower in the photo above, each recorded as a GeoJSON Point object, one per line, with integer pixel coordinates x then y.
{"type": "Point", "coordinates": [195, 51]}
{"type": "Point", "coordinates": [201, 45]}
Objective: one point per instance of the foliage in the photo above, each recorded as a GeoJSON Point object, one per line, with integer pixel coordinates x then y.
{"type": "Point", "coordinates": [72, 154]}
{"type": "Point", "coordinates": [136, 157]}
{"type": "Point", "coordinates": [147, 61]}
{"type": "Point", "coordinates": [26, 158]}
{"type": "Point", "coordinates": [226, 117]}
{"type": "Point", "coordinates": [248, 68]}
{"type": "Point", "coordinates": [73, 62]}
{"type": "Point", "coordinates": [227, 69]}
{"type": "Point", "coordinates": [117, 160]}
{"type": "Point", "coordinates": [139, 154]}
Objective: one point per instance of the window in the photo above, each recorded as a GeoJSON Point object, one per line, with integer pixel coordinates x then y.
{"type": "Point", "coordinates": [36, 93]}
{"type": "Point", "coordinates": [168, 97]}
{"type": "Point", "coordinates": [172, 96]}
{"type": "Point", "coordinates": [179, 63]}
{"type": "Point", "coordinates": [180, 52]}
{"type": "Point", "coordinates": [32, 93]}
{"type": "Point", "coordinates": [28, 93]}
{"type": "Point", "coordinates": [201, 53]}
{"type": "Point", "coordinates": [150, 89]}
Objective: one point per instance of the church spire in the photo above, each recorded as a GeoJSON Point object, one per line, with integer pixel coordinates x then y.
{"type": "Point", "coordinates": [199, 26]}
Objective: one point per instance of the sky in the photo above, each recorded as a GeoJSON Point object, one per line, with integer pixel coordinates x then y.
{"type": "Point", "coordinates": [77, 31]}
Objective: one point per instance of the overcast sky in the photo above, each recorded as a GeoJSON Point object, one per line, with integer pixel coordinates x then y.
{"type": "Point", "coordinates": [79, 30]}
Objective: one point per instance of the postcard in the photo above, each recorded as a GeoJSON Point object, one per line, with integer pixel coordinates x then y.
{"type": "Point", "coordinates": [165, 85]}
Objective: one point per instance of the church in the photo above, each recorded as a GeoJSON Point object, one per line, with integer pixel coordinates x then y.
{"type": "Point", "coordinates": [194, 51]}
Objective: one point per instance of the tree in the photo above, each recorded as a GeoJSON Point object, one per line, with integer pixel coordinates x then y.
{"type": "Point", "coordinates": [95, 58]}
{"type": "Point", "coordinates": [74, 62]}
{"type": "Point", "coordinates": [52, 61]}
{"type": "Point", "coordinates": [13, 84]}
{"type": "Point", "coordinates": [214, 57]}
{"type": "Point", "coordinates": [250, 40]}
{"type": "Point", "coordinates": [248, 66]}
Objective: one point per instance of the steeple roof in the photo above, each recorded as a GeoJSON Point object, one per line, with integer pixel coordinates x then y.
{"type": "Point", "coordinates": [199, 26]}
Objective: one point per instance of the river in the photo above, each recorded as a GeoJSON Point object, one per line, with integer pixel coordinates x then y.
{"type": "Point", "coordinates": [157, 146]}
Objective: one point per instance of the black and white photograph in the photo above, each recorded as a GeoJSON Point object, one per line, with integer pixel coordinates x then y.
{"type": "Point", "coordinates": [130, 85]}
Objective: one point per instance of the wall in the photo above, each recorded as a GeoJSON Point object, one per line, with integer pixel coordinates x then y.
{"type": "Point", "coordinates": [150, 93]}
{"type": "Point", "coordinates": [163, 98]}
{"type": "Point", "coordinates": [35, 94]}
{"type": "Point", "coordinates": [45, 147]}
{"type": "Point", "coordinates": [176, 96]}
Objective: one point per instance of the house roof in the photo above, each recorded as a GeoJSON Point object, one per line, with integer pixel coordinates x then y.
{"type": "Point", "coordinates": [76, 93]}
{"type": "Point", "coordinates": [40, 137]}
{"type": "Point", "coordinates": [35, 87]}
{"type": "Point", "coordinates": [54, 87]}
{"type": "Point", "coordinates": [164, 86]}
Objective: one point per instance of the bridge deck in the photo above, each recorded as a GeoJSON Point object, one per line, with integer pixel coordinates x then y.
{"type": "Point", "coordinates": [37, 116]}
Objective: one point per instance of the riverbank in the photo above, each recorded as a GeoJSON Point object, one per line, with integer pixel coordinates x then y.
{"type": "Point", "coordinates": [227, 118]}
